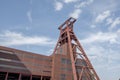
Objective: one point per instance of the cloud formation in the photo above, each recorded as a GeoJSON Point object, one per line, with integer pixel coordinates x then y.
{"type": "Point", "coordinates": [78, 8]}
{"type": "Point", "coordinates": [9, 38]}
{"type": "Point", "coordinates": [106, 18]}
{"type": "Point", "coordinates": [58, 5]}
{"type": "Point", "coordinates": [75, 13]}
{"type": "Point", "coordinates": [78, 5]}
{"type": "Point", "coordinates": [102, 49]}
{"type": "Point", "coordinates": [111, 37]}
{"type": "Point", "coordinates": [109, 21]}
{"type": "Point", "coordinates": [115, 23]}
{"type": "Point", "coordinates": [70, 1]}
{"type": "Point", "coordinates": [83, 4]}
{"type": "Point", "coordinates": [29, 15]}
{"type": "Point", "coordinates": [101, 17]}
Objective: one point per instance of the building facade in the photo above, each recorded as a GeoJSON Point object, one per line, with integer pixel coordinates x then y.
{"type": "Point", "coordinates": [22, 65]}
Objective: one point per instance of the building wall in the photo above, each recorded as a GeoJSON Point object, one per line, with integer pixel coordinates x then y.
{"type": "Point", "coordinates": [57, 66]}
{"type": "Point", "coordinates": [62, 67]}
{"type": "Point", "coordinates": [17, 61]}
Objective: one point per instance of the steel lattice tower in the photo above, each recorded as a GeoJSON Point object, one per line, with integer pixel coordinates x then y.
{"type": "Point", "coordinates": [82, 68]}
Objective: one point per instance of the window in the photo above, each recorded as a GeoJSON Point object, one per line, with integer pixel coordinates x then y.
{"type": "Point", "coordinates": [47, 71]}
{"type": "Point", "coordinates": [3, 75]}
{"type": "Point", "coordinates": [60, 50]}
{"type": "Point", "coordinates": [25, 77]}
{"type": "Point", "coordinates": [65, 61]}
{"type": "Point", "coordinates": [13, 76]}
{"type": "Point", "coordinates": [28, 56]}
{"type": "Point", "coordinates": [66, 69]}
{"type": "Point", "coordinates": [36, 78]}
{"type": "Point", "coordinates": [48, 66]}
{"type": "Point", "coordinates": [63, 77]}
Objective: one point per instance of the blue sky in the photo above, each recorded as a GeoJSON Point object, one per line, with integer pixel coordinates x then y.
{"type": "Point", "coordinates": [31, 25]}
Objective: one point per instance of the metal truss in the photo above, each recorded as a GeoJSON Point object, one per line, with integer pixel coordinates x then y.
{"type": "Point", "coordinates": [81, 66]}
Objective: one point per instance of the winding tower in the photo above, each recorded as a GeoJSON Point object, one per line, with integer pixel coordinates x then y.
{"type": "Point", "coordinates": [70, 61]}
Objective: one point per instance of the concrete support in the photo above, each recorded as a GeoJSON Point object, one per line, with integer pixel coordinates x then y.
{"type": "Point", "coordinates": [30, 77]}
{"type": "Point", "coordinates": [6, 76]}
{"type": "Point", "coordinates": [19, 77]}
{"type": "Point", "coordinates": [41, 77]}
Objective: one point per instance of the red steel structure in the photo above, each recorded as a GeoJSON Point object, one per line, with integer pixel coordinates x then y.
{"type": "Point", "coordinates": [68, 61]}
{"type": "Point", "coordinates": [76, 54]}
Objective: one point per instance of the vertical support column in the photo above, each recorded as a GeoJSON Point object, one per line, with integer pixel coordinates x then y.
{"type": "Point", "coordinates": [71, 55]}
{"type": "Point", "coordinates": [19, 77]}
{"type": "Point", "coordinates": [80, 76]}
{"type": "Point", "coordinates": [30, 77]}
{"type": "Point", "coordinates": [88, 75]}
{"type": "Point", "coordinates": [6, 76]}
{"type": "Point", "coordinates": [41, 77]}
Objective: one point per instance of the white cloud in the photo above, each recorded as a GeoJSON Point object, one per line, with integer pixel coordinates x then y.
{"type": "Point", "coordinates": [109, 21]}
{"type": "Point", "coordinates": [95, 53]}
{"type": "Point", "coordinates": [93, 26]}
{"type": "Point", "coordinates": [111, 37]}
{"type": "Point", "coordinates": [9, 38]}
{"type": "Point", "coordinates": [84, 4]}
{"type": "Point", "coordinates": [78, 8]}
{"type": "Point", "coordinates": [29, 15]}
{"type": "Point", "coordinates": [75, 13]}
{"type": "Point", "coordinates": [101, 17]}
{"type": "Point", "coordinates": [101, 53]}
{"type": "Point", "coordinates": [69, 1]}
{"type": "Point", "coordinates": [115, 23]}
{"type": "Point", "coordinates": [50, 51]}
{"type": "Point", "coordinates": [114, 57]}
{"type": "Point", "coordinates": [58, 6]}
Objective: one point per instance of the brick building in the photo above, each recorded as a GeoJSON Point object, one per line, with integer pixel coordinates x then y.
{"type": "Point", "coordinates": [22, 65]}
